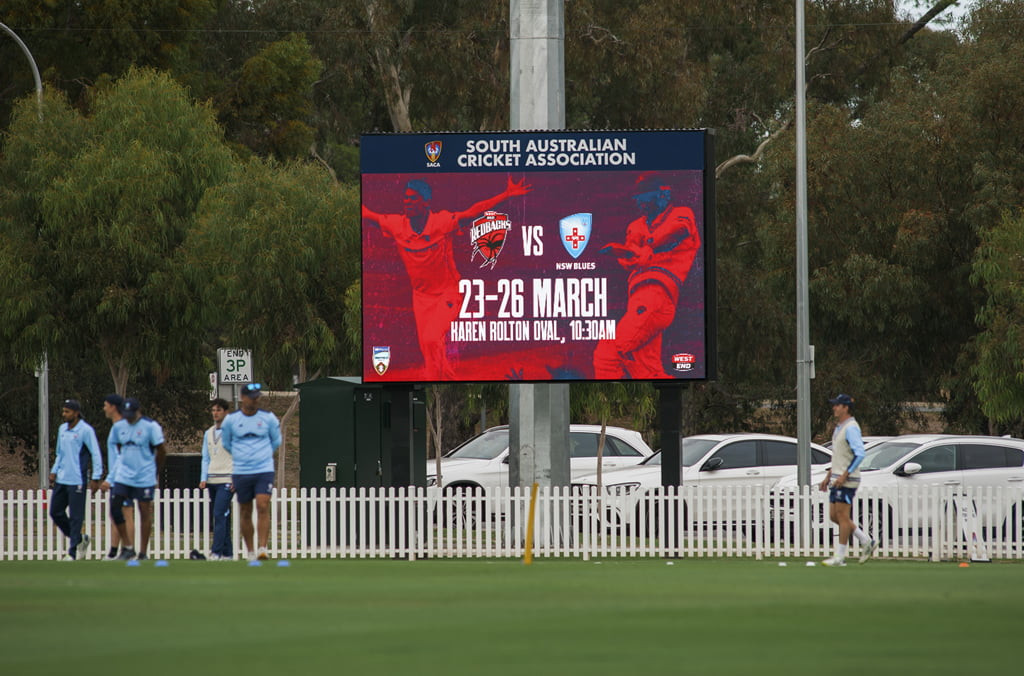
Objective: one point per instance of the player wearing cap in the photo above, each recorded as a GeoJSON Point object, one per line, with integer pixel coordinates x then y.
{"type": "Point", "coordinates": [843, 479]}
{"type": "Point", "coordinates": [76, 445]}
{"type": "Point", "coordinates": [424, 244]}
{"type": "Point", "coordinates": [252, 435]}
{"type": "Point", "coordinates": [659, 250]}
{"type": "Point", "coordinates": [140, 444]}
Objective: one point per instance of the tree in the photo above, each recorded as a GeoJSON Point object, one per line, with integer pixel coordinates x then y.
{"type": "Point", "coordinates": [999, 370]}
{"type": "Point", "coordinates": [93, 218]}
{"type": "Point", "coordinates": [79, 44]}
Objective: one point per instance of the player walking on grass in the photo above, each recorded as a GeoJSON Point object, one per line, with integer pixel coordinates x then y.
{"type": "Point", "coordinates": [843, 479]}
{"type": "Point", "coordinates": [112, 404]}
{"type": "Point", "coordinates": [76, 443]}
{"type": "Point", "coordinates": [252, 435]}
{"type": "Point", "coordinates": [140, 442]}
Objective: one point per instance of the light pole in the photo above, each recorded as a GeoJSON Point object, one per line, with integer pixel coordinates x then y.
{"type": "Point", "coordinates": [43, 372]}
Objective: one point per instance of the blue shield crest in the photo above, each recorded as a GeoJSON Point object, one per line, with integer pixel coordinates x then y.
{"type": "Point", "coordinates": [574, 232]}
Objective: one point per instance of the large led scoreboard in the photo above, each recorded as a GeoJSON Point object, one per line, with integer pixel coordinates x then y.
{"type": "Point", "coordinates": [538, 256]}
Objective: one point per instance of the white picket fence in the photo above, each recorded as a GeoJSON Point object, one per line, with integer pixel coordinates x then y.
{"type": "Point", "coordinates": [923, 522]}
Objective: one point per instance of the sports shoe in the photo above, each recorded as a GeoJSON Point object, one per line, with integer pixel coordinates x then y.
{"type": "Point", "coordinates": [214, 557]}
{"type": "Point", "coordinates": [867, 550]}
{"type": "Point", "coordinates": [112, 554]}
{"type": "Point", "coordinates": [263, 555]}
{"type": "Point", "coordinates": [833, 562]}
{"type": "Point", "coordinates": [250, 557]}
{"type": "Point", "coordinates": [141, 556]}
{"type": "Point", "coordinates": [67, 557]}
{"type": "Point", "coordinates": [83, 546]}
{"type": "Point", "coordinates": [127, 554]}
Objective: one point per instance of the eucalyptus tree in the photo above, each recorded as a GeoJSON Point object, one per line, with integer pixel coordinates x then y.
{"type": "Point", "coordinates": [96, 207]}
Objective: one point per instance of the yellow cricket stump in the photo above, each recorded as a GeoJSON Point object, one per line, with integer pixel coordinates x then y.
{"type": "Point", "coordinates": [528, 554]}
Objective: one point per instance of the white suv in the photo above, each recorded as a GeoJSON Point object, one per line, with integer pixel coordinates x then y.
{"type": "Point", "coordinates": [482, 462]}
{"type": "Point", "coordinates": [707, 460]}
{"type": "Point", "coordinates": [935, 459]}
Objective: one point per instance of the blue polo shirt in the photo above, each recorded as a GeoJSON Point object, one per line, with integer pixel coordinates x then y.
{"type": "Point", "coordinates": [251, 440]}
{"type": "Point", "coordinates": [71, 441]}
{"type": "Point", "coordinates": [136, 444]}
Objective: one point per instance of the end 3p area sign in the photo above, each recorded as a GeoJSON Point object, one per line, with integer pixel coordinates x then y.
{"type": "Point", "coordinates": [538, 256]}
{"type": "Point", "coordinates": [234, 366]}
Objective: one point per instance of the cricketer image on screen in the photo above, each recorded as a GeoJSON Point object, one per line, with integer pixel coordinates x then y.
{"type": "Point", "coordinates": [538, 256]}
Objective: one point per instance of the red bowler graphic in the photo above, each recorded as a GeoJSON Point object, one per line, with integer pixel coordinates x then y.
{"type": "Point", "coordinates": [659, 250]}
{"type": "Point", "coordinates": [423, 238]}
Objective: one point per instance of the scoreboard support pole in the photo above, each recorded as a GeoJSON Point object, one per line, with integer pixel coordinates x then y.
{"type": "Point", "coordinates": [538, 413]}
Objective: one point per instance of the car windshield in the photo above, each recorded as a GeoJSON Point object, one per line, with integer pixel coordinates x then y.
{"type": "Point", "coordinates": [885, 454]}
{"type": "Point", "coordinates": [487, 446]}
{"type": "Point", "coordinates": [693, 451]}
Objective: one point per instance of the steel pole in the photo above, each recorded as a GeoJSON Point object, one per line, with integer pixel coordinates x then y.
{"type": "Point", "coordinates": [43, 372]}
{"type": "Point", "coordinates": [803, 350]}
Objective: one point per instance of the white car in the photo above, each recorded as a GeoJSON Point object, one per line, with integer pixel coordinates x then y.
{"type": "Point", "coordinates": [707, 459]}
{"type": "Point", "coordinates": [482, 462]}
{"type": "Point", "coordinates": [935, 459]}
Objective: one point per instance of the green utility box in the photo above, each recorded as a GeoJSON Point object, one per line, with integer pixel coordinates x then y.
{"type": "Point", "coordinates": [354, 434]}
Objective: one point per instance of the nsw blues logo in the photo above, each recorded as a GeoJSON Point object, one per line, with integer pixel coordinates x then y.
{"type": "Point", "coordinates": [433, 153]}
{"type": "Point", "coordinates": [574, 232]}
{"type": "Point", "coordinates": [488, 235]}
{"type": "Point", "coordinates": [381, 359]}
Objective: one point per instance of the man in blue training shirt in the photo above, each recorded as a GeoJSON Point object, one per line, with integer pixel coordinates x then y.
{"type": "Point", "coordinates": [140, 443]}
{"type": "Point", "coordinates": [76, 442]}
{"type": "Point", "coordinates": [251, 435]}
{"type": "Point", "coordinates": [843, 479]}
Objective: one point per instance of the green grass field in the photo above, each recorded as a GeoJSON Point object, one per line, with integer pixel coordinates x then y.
{"type": "Point", "coordinates": [476, 618]}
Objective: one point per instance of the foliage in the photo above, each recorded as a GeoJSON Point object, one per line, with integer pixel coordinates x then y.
{"type": "Point", "coordinates": [274, 250]}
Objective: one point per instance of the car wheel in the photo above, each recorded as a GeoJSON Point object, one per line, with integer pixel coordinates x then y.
{"type": "Point", "coordinates": [462, 507]}
{"type": "Point", "coordinates": [878, 521]}
{"type": "Point", "coordinates": [649, 517]}
{"type": "Point", "coordinates": [1013, 527]}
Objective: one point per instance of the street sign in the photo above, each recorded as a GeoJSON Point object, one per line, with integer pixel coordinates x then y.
{"type": "Point", "coordinates": [234, 366]}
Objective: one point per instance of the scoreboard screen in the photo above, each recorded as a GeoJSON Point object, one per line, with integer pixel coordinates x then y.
{"type": "Point", "coordinates": [538, 256]}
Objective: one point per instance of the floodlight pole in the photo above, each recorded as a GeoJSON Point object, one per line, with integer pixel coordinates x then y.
{"type": "Point", "coordinates": [43, 372]}
{"type": "Point", "coordinates": [538, 413]}
{"type": "Point", "coordinates": [803, 347]}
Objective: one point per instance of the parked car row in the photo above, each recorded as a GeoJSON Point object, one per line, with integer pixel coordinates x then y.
{"type": "Point", "coordinates": [631, 470]}
{"type": "Point", "coordinates": [955, 462]}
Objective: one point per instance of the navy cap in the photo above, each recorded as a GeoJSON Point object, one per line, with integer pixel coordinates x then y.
{"type": "Point", "coordinates": [842, 399]}
{"type": "Point", "coordinates": [130, 407]}
{"type": "Point", "coordinates": [72, 404]}
{"type": "Point", "coordinates": [114, 400]}
{"type": "Point", "coordinates": [252, 390]}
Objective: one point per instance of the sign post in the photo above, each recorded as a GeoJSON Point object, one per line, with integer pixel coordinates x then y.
{"type": "Point", "coordinates": [234, 367]}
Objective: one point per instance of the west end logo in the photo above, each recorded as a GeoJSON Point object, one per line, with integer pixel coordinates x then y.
{"type": "Point", "coordinates": [488, 234]}
{"type": "Point", "coordinates": [574, 233]}
{"type": "Point", "coordinates": [433, 152]}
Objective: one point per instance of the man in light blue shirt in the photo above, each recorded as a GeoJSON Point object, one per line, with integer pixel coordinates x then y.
{"type": "Point", "coordinates": [140, 445]}
{"type": "Point", "coordinates": [843, 479]}
{"type": "Point", "coordinates": [252, 435]}
{"type": "Point", "coordinates": [76, 443]}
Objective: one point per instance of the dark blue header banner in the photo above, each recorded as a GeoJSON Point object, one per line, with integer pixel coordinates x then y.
{"type": "Point", "coordinates": [533, 151]}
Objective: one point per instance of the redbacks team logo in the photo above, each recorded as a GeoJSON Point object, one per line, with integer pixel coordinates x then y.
{"type": "Point", "coordinates": [381, 359]}
{"type": "Point", "coordinates": [574, 232]}
{"type": "Point", "coordinates": [488, 234]}
{"type": "Point", "coordinates": [433, 152]}
{"type": "Point", "coordinates": [683, 361]}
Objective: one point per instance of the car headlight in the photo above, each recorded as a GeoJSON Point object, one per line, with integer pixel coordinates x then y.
{"type": "Point", "coordinates": [623, 489]}
{"type": "Point", "coordinates": [431, 480]}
